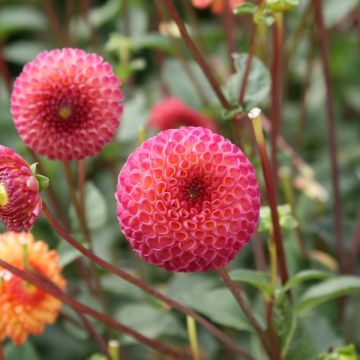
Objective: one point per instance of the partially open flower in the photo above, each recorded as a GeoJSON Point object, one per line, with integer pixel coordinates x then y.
{"type": "Point", "coordinates": [217, 6]}
{"type": "Point", "coordinates": [171, 113]}
{"type": "Point", "coordinates": [187, 200]}
{"type": "Point", "coordinates": [24, 308]}
{"type": "Point", "coordinates": [66, 104]}
{"type": "Point", "coordinates": [20, 201]}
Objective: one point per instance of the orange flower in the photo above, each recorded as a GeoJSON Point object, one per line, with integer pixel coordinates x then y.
{"type": "Point", "coordinates": [217, 6]}
{"type": "Point", "coordinates": [24, 308]}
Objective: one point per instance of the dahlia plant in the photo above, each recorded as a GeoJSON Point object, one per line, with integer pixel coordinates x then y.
{"type": "Point", "coordinates": [196, 208]}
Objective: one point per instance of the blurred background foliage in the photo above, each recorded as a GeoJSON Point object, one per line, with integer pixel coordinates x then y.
{"type": "Point", "coordinates": [152, 62]}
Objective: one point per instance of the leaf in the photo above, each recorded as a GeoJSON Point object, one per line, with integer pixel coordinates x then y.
{"type": "Point", "coordinates": [20, 18]}
{"type": "Point", "coordinates": [336, 10]}
{"type": "Point", "coordinates": [26, 351]}
{"type": "Point", "coordinates": [255, 278]}
{"type": "Point", "coordinates": [68, 254]}
{"type": "Point", "coordinates": [135, 116]}
{"type": "Point", "coordinates": [103, 14]}
{"type": "Point", "coordinates": [305, 275]}
{"type": "Point", "coordinates": [328, 290]}
{"type": "Point", "coordinates": [246, 8]}
{"type": "Point", "coordinates": [218, 305]}
{"type": "Point", "coordinates": [150, 321]}
{"type": "Point", "coordinates": [96, 208]}
{"type": "Point", "coordinates": [258, 82]}
{"type": "Point", "coordinates": [180, 84]}
{"type": "Point", "coordinates": [23, 51]}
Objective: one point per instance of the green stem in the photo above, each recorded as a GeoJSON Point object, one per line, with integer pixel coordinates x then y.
{"type": "Point", "coordinates": [192, 334]}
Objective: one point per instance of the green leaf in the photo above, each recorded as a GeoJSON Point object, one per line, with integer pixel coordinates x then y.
{"type": "Point", "coordinates": [281, 5]}
{"type": "Point", "coordinates": [68, 254]}
{"type": "Point", "coordinates": [43, 181]}
{"type": "Point", "coordinates": [150, 321]}
{"type": "Point", "coordinates": [26, 351]}
{"type": "Point", "coordinates": [258, 82]}
{"type": "Point", "coordinates": [23, 51]}
{"type": "Point", "coordinates": [287, 221]}
{"type": "Point", "coordinates": [180, 84]}
{"type": "Point", "coordinates": [103, 14]}
{"type": "Point", "coordinates": [328, 290]}
{"type": "Point", "coordinates": [135, 116]}
{"type": "Point", "coordinates": [255, 278]}
{"type": "Point", "coordinates": [95, 206]}
{"type": "Point", "coordinates": [305, 275]}
{"type": "Point", "coordinates": [20, 18]}
{"type": "Point", "coordinates": [347, 352]}
{"type": "Point", "coordinates": [246, 8]}
{"type": "Point", "coordinates": [218, 305]}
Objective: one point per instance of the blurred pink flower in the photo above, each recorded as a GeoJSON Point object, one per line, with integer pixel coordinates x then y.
{"type": "Point", "coordinates": [217, 6]}
{"type": "Point", "coordinates": [20, 201]}
{"type": "Point", "coordinates": [187, 200]}
{"type": "Point", "coordinates": [66, 104]}
{"type": "Point", "coordinates": [172, 113]}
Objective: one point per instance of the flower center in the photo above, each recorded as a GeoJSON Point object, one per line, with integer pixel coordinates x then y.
{"type": "Point", "coordinates": [193, 193]}
{"type": "Point", "coordinates": [4, 198]}
{"type": "Point", "coordinates": [64, 112]}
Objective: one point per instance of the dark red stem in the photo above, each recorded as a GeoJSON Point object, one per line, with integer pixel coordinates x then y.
{"type": "Point", "coordinates": [197, 54]}
{"type": "Point", "coordinates": [142, 285]}
{"type": "Point", "coordinates": [50, 288]}
{"type": "Point", "coordinates": [324, 48]}
{"type": "Point", "coordinates": [236, 291]}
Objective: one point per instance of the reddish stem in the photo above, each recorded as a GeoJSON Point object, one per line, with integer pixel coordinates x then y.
{"type": "Point", "coordinates": [272, 333]}
{"type": "Point", "coordinates": [248, 63]}
{"type": "Point", "coordinates": [55, 22]}
{"type": "Point", "coordinates": [276, 85]}
{"type": "Point", "coordinates": [197, 54]}
{"type": "Point", "coordinates": [324, 48]}
{"type": "Point", "coordinates": [2, 356]}
{"type": "Point", "coordinates": [49, 287]}
{"type": "Point", "coordinates": [236, 291]}
{"type": "Point", "coordinates": [4, 70]}
{"type": "Point", "coordinates": [228, 23]}
{"type": "Point", "coordinates": [142, 285]}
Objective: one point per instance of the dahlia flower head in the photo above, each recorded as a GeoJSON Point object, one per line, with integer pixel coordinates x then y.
{"type": "Point", "coordinates": [187, 200]}
{"type": "Point", "coordinates": [24, 308]}
{"type": "Point", "coordinates": [170, 113]}
{"type": "Point", "coordinates": [20, 200]}
{"type": "Point", "coordinates": [217, 6]}
{"type": "Point", "coordinates": [66, 104]}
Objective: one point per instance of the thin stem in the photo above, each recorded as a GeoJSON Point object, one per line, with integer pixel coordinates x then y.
{"type": "Point", "coordinates": [255, 116]}
{"type": "Point", "coordinates": [272, 334]}
{"type": "Point", "coordinates": [81, 179]}
{"type": "Point", "coordinates": [228, 24]}
{"type": "Point", "coordinates": [331, 127]}
{"type": "Point", "coordinates": [197, 54]}
{"type": "Point", "coordinates": [355, 245]}
{"type": "Point", "coordinates": [49, 287]}
{"type": "Point", "coordinates": [191, 329]}
{"type": "Point", "coordinates": [114, 349]}
{"type": "Point", "coordinates": [2, 356]}
{"type": "Point", "coordinates": [4, 70]}
{"type": "Point", "coordinates": [184, 63]}
{"type": "Point", "coordinates": [236, 291]}
{"type": "Point", "coordinates": [142, 285]}
{"type": "Point", "coordinates": [90, 328]}
{"type": "Point", "coordinates": [55, 23]}
{"type": "Point", "coordinates": [276, 86]}
{"type": "Point", "coordinates": [248, 63]}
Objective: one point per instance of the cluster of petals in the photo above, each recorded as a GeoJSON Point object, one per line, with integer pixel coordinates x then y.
{"type": "Point", "coordinates": [24, 308]}
{"type": "Point", "coordinates": [187, 200]}
{"type": "Point", "coordinates": [217, 6]}
{"type": "Point", "coordinates": [20, 200]}
{"type": "Point", "coordinates": [66, 104]}
{"type": "Point", "coordinates": [170, 113]}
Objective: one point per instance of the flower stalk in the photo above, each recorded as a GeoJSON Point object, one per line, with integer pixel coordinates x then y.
{"type": "Point", "coordinates": [193, 339]}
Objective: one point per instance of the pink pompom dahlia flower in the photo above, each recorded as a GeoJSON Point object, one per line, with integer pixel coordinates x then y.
{"type": "Point", "coordinates": [217, 6]}
{"type": "Point", "coordinates": [24, 308]}
{"type": "Point", "coordinates": [187, 200]}
{"type": "Point", "coordinates": [172, 113]}
{"type": "Point", "coordinates": [66, 104]}
{"type": "Point", "coordinates": [20, 201]}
